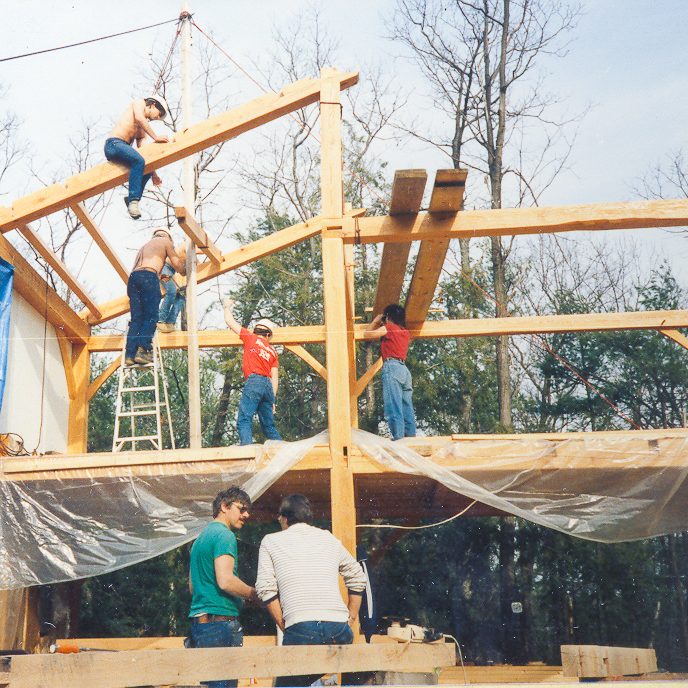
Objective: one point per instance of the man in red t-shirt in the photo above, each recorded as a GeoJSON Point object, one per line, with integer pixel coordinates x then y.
{"type": "Point", "coordinates": [397, 385]}
{"type": "Point", "coordinates": [260, 366]}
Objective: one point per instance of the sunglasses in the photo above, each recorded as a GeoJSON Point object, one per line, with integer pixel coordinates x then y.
{"type": "Point", "coordinates": [242, 509]}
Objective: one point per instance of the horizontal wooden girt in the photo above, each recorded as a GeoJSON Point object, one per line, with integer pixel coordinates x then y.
{"type": "Point", "coordinates": [197, 234]}
{"type": "Point", "coordinates": [266, 246]}
{"type": "Point", "coordinates": [434, 329]}
{"type": "Point", "coordinates": [470, 224]}
{"type": "Point", "coordinates": [32, 287]}
{"type": "Point", "coordinates": [197, 137]}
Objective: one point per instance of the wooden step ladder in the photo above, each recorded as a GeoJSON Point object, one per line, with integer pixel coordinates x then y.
{"type": "Point", "coordinates": [139, 401]}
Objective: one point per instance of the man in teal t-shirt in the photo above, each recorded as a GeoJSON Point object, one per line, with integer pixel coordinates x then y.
{"type": "Point", "coordinates": [217, 593]}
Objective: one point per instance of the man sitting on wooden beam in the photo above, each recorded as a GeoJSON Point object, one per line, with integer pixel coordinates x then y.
{"type": "Point", "coordinates": [298, 580]}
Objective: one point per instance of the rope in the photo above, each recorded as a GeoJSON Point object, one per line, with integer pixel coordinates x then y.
{"type": "Point", "coordinates": [45, 342]}
{"type": "Point", "coordinates": [92, 40]}
{"type": "Point", "coordinates": [169, 54]}
{"type": "Point", "coordinates": [430, 525]}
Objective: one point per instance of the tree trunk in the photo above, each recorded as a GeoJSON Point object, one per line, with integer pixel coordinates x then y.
{"type": "Point", "coordinates": [222, 410]}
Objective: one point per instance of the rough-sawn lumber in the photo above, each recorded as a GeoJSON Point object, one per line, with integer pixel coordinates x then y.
{"type": "Point", "coordinates": [156, 667]}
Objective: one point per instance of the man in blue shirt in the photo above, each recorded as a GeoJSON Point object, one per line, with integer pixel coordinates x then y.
{"type": "Point", "coordinates": [217, 593]}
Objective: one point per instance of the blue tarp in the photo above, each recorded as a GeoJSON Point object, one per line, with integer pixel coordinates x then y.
{"type": "Point", "coordinates": [6, 275]}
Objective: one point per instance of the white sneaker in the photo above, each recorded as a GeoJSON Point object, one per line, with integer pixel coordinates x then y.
{"type": "Point", "coordinates": [134, 211]}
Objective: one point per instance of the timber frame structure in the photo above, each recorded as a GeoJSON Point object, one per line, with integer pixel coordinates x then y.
{"type": "Point", "coordinates": [345, 482]}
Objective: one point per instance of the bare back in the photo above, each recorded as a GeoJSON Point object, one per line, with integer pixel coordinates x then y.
{"type": "Point", "coordinates": [152, 255]}
{"type": "Point", "coordinates": [127, 128]}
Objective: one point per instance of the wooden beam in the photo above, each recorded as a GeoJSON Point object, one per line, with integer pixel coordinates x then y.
{"type": "Point", "coordinates": [447, 197]}
{"type": "Point", "coordinates": [676, 336]}
{"type": "Point", "coordinates": [305, 334]}
{"type": "Point", "coordinates": [89, 225]}
{"type": "Point", "coordinates": [197, 234]}
{"type": "Point", "coordinates": [598, 661]}
{"type": "Point", "coordinates": [98, 382]}
{"type": "Point", "coordinates": [31, 286]}
{"type": "Point", "coordinates": [335, 298]}
{"type": "Point", "coordinates": [407, 194]}
{"type": "Point", "coordinates": [518, 221]}
{"type": "Point", "coordinates": [60, 268]}
{"type": "Point", "coordinates": [367, 377]}
{"type": "Point", "coordinates": [215, 130]}
{"type": "Point", "coordinates": [646, 447]}
{"type": "Point", "coordinates": [179, 666]}
{"type": "Point", "coordinates": [77, 428]}
{"type": "Point", "coordinates": [435, 329]}
{"type": "Point", "coordinates": [306, 356]}
{"type": "Point", "coordinates": [277, 241]}
{"type": "Point", "coordinates": [522, 325]}
{"type": "Point", "coordinates": [66, 354]}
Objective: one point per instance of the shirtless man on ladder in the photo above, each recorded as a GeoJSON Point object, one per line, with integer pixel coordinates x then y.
{"type": "Point", "coordinates": [143, 290]}
{"type": "Point", "coordinates": [132, 126]}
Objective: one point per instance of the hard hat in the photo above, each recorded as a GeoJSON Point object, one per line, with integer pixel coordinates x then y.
{"type": "Point", "coordinates": [266, 324]}
{"type": "Point", "coordinates": [160, 101]}
{"type": "Point", "coordinates": [162, 230]}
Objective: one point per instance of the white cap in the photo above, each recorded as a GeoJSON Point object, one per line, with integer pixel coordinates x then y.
{"type": "Point", "coordinates": [162, 102]}
{"type": "Point", "coordinates": [162, 230]}
{"type": "Point", "coordinates": [267, 324]}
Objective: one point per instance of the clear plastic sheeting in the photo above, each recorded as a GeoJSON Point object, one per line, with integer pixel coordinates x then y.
{"type": "Point", "coordinates": [607, 489]}
{"type": "Point", "coordinates": [54, 530]}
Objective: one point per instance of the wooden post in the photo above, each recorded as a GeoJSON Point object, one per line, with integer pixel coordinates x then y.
{"type": "Point", "coordinates": [193, 365]}
{"type": "Point", "coordinates": [335, 296]}
{"type": "Point", "coordinates": [77, 431]}
{"type": "Point", "coordinates": [349, 264]}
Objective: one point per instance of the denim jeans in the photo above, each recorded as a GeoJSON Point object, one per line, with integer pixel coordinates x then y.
{"type": "Point", "coordinates": [218, 634]}
{"type": "Point", "coordinates": [117, 150]}
{"type": "Point", "coordinates": [256, 397]}
{"type": "Point", "coordinates": [314, 633]}
{"type": "Point", "coordinates": [143, 290]}
{"type": "Point", "coordinates": [397, 396]}
{"type": "Point", "coordinates": [171, 304]}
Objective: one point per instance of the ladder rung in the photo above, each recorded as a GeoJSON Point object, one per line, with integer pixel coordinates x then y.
{"type": "Point", "coordinates": [139, 389]}
{"type": "Point", "coordinates": [138, 438]}
{"type": "Point", "coordinates": [153, 412]}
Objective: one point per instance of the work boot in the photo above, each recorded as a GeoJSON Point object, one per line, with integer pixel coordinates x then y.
{"type": "Point", "coordinates": [166, 327]}
{"type": "Point", "coordinates": [129, 361]}
{"type": "Point", "coordinates": [143, 357]}
{"type": "Point", "coordinates": [133, 208]}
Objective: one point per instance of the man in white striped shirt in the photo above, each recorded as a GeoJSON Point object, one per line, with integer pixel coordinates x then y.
{"type": "Point", "coordinates": [298, 580]}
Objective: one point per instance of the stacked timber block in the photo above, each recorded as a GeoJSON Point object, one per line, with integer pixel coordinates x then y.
{"type": "Point", "coordinates": [598, 661]}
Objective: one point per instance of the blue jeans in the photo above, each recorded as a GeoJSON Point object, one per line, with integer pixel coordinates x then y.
{"type": "Point", "coordinates": [218, 634]}
{"type": "Point", "coordinates": [256, 397]}
{"type": "Point", "coordinates": [117, 150]}
{"type": "Point", "coordinates": [173, 301]}
{"type": "Point", "coordinates": [397, 395]}
{"type": "Point", "coordinates": [314, 633]}
{"type": "Point", "coordinates": [143, 290]}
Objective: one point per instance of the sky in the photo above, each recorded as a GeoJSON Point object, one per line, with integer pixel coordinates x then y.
{"type": "Point", "coordinates": [626, 63]}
